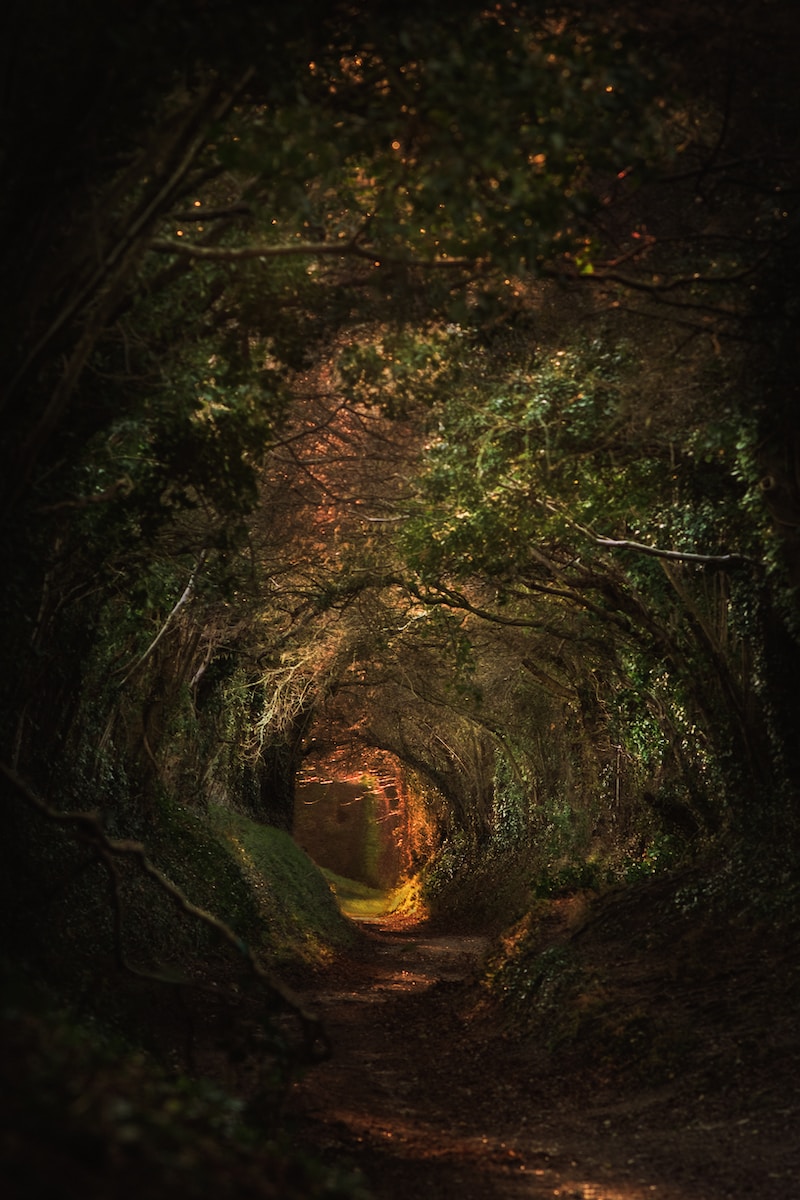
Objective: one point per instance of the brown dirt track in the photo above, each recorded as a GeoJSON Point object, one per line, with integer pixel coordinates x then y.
{"type": "Point", "coordinates": [431, 1092]}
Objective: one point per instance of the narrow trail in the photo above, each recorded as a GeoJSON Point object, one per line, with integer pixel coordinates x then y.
{"type": "Point", "coordinates": [431, 1098]}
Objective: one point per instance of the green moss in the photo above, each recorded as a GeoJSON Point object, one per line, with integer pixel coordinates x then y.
{"type": "Point", "coordinates": [120, 945]}
{"type": "Point", "coordinates": [189, 850]}
{"type": "Point", "coordinates": [297, 915]}
{"type": "Point", "coordinates": [253, 877]}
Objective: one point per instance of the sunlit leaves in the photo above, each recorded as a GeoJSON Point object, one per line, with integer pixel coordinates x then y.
{"type": "Point", "coordinates": [516, 453]}
{"type": "Point", "coordinates": [400, 370]}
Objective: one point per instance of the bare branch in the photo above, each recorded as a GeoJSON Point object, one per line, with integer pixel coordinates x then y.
{"type": "Point", "coordinates": [721, 560]}
{"type": "Point", "coordinates": [187, 592]}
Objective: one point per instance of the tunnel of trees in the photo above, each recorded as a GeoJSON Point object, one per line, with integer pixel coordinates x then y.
{"type": "Point", "coordinates": [406, 400]}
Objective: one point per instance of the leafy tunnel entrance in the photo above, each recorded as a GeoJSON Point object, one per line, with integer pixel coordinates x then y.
{"type": "Point", "coordinates": [358, 821]}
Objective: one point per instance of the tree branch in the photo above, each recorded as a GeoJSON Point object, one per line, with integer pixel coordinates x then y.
{"type": "Point", "coordinates": [451, 598]}
{"type": "Point", "coordinates": [187, 592]}
{"type": "Point", "coordinates": [343, 249]}
{"type": "Point", "coordinates": [721, 560]}
{"type": "Point", "coordinates": [86, 827]}
{"type": "Point", "coordinates": [195, 215]}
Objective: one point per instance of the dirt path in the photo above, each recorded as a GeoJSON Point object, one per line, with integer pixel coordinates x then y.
{"type": "Point", "coordinates": [431, 1099]}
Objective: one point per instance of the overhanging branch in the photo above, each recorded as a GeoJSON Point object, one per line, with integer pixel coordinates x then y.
{"type": "Point", "coordinates": [607, 543]}
{"type": "Point", "coordinates": [452, 598]}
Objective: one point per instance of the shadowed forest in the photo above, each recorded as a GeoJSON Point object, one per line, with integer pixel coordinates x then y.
{"type": "Point", "coordinates": [400, 476]}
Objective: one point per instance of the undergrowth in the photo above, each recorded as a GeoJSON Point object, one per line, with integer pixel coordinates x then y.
{"type": "Point", "coordinates": [125, 1064]}
{"type": "Point", "coordinates": [467, 890]}
{"type": "Point", "coordinates": [84, 1116]}
{"type": "Point", "coordinates": [622, 981]}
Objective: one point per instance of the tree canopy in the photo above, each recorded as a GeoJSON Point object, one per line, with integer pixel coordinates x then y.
{"type": "Point", "coordinates": [413, 387]}
{"type": "Point", "coordinates": [362, 339]}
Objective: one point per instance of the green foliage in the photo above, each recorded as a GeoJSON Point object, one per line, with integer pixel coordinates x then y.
{"type": "Point", "coordinates": [546, 471]}
{"type": "Point", "coordinates": [185, 844]}
{"type": "Point", "coordinates": [629, 708]}
{"type": "Point", "coordinates": [537, 985]}
{"type": "Point", "coordinates": [408, 186]}
{"type": "Point", "coordinates": [511, 815]}
{"type": "Point", "coordinates": [490, 138]}
{"type": "Point", "coordinates": [403, 370]}
{"type": "Point", "coordinates": [533, 451]}
{"type": "Point", "coordinates": [600, 870]}
{"type": "Point", "coordinates": [574, 877]}
{"type": "Point", "coordinates": [447, 138]}
{"type": "Point", "coordinates": [475, 890]}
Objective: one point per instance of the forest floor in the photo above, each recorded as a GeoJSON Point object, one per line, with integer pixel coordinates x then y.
{"type": "Point", "coordinates": [431, 1091]}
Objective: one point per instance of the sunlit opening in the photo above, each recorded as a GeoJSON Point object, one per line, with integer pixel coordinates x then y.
{"type": "Point", "coordinates": [362, 828]}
